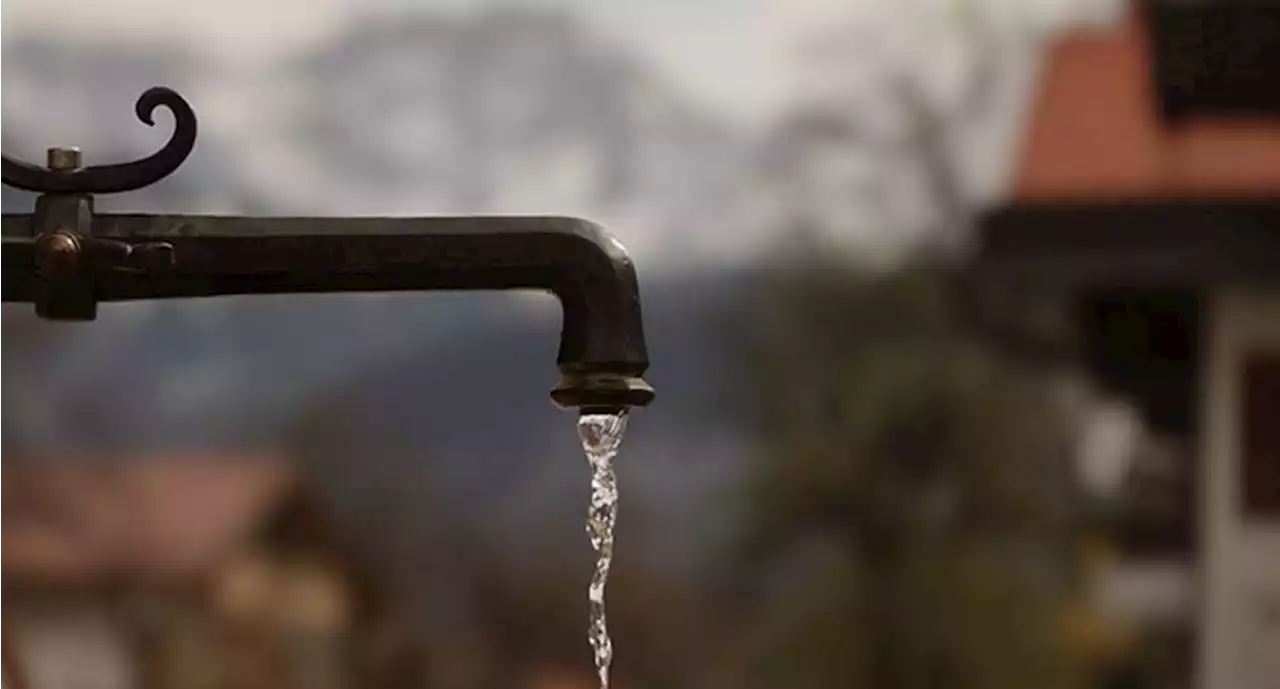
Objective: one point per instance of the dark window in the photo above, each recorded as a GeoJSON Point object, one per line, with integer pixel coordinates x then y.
{"type": "Point", "coordinates": [1260, 436]}
{"type": "Point", "coordinates": [1216, 58]}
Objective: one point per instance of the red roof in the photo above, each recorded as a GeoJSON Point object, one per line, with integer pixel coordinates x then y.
{"type": "Point", "coordinates": [169, 517]}
{"type": "Point", "coordinates": [1094, 131]}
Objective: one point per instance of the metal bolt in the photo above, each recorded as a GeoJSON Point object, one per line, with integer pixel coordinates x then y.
{"type": "Point", "coordinates": [64, 159]}
{"type": "Point", "coordinates": [58, 253]}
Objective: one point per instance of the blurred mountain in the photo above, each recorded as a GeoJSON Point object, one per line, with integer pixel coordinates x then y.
{"type": "Point", "coordinates": [472, 414]}
{"type": "Point", "coordinates": [512, 111]}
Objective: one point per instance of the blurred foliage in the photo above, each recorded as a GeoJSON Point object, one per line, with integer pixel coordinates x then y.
{"type": "Point", "coordinates": [450, 607]}
{"type": "Point", "coordinates": [912, 499]}
{"type": "Point", "coordinates": [912, 519]}
{"type": "Point", "coordinates": [534, 617]}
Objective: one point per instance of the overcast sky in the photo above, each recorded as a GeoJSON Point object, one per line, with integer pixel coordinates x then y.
{"type": "Point", "coordinates": [732, 55]}
{"type": "Point", "coordinates": [734, 59]}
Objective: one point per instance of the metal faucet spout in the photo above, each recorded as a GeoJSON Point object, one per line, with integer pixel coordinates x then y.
{"type": "Point", "coordinates": [602, 353]}
{"type": "Point", "coordinates": [65, 259]}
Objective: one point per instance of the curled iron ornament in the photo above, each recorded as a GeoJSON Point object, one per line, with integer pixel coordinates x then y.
{"type": "Point", "coordinates": [107, 179]}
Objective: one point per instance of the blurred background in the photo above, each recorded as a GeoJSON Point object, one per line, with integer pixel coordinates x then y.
{"type": "Point", "coordinates": [963, 318]}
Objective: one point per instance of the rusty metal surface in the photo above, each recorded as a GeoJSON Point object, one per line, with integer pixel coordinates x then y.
{"type": "Point", "coordinates": [66, 259]}
{"type": "Point", "coordinates": [16, 225]}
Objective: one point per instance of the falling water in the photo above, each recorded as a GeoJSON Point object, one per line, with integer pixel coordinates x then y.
{"type": "Point", "coordinates": [601, 436]}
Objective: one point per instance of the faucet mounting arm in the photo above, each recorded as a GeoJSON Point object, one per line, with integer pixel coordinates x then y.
{"type": "Point", "coordinates": [66, 259]}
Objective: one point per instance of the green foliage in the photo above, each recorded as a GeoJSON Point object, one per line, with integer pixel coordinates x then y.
{"type": "Point", "coordinates": [912, 490]}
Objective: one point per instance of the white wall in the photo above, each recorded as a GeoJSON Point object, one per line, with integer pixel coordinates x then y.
{"type": "Point", "coordinates": [72, 649]}
{"type": "Point", "coordinates": [1240, 576]}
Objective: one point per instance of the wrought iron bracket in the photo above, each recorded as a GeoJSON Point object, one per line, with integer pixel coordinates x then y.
{"type": "Point", "coordinates": [64, 175]}
{"type": "Point", "coordinates": [61, 247]}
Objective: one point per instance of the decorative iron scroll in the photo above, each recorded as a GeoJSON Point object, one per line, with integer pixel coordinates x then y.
{"type": "Point", "coordinates": [107, 179]}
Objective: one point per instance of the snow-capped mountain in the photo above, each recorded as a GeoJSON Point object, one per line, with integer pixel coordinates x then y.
{"type": "Point", "coordinates": [517, 112]}
{"type": "Point", "coordinates": [503, 112]}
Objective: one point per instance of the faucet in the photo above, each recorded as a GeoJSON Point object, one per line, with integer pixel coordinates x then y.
{"type": "Point", "coordinates": [65, 259]}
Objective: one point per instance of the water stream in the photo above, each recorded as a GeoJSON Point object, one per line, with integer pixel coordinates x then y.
{"type": "Point", "coordinates": [601, 436]}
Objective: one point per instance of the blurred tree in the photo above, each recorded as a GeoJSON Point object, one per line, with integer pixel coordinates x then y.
{"type": "Point", "coordinates": [913, 499]}
{"type": "Point", "coordinates": [898, 124]}
{"type": "Point", "coordinates": [914, 513]}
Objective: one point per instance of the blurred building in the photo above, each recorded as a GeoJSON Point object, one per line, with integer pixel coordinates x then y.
{"type": "Point", "coordinates": [179, 573]}
{"type": "Point", "coordinates": [1144, 232]}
